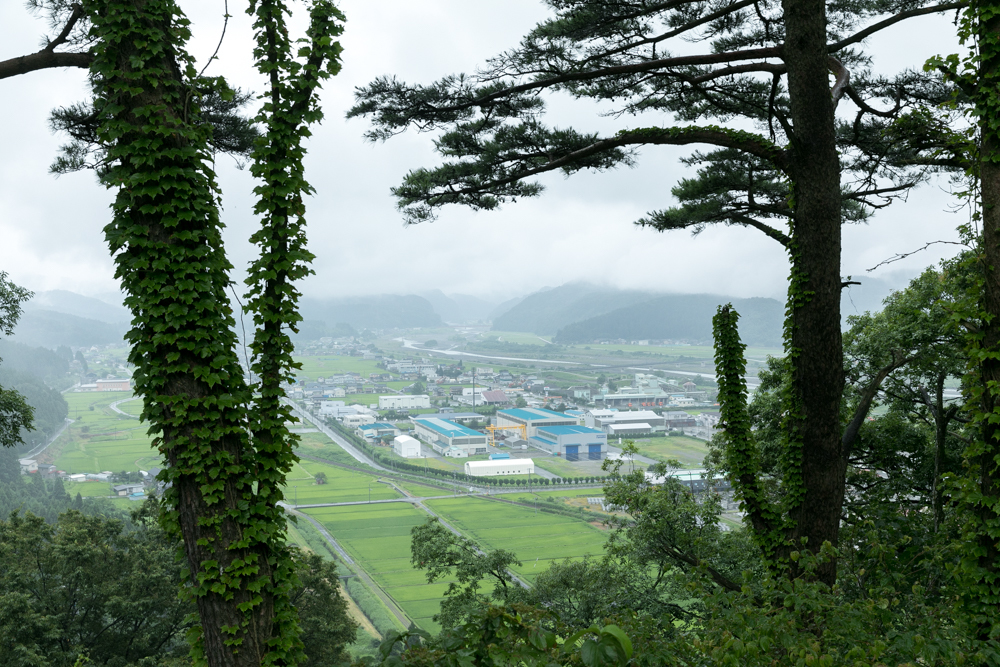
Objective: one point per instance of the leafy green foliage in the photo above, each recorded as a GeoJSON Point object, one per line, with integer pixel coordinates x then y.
{"type": "Point", "coordinates": [16, 415]}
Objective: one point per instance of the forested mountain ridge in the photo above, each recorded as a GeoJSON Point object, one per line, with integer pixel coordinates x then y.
{"type": "Point", "coordinates": [680, 317]}
{"type": "Point", "coordinates": [546, 312]}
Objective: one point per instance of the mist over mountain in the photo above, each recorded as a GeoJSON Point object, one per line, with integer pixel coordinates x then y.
{"type": "Point", "coordinates": [48, 328]}
{"type": "Point", "coordinates": [71, 303]}
{"type": "Point", "coordinates": [680, 317]}
{"type": "Point", "coordinates": [384, 311]}
{"type": "Point", "coordinates": [459, 308]}
{"type": "Point", "coordinates": [546, 312]}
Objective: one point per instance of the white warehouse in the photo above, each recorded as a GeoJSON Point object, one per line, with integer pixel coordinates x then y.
{"type": "Point", "coordinates": [499, 467]}
{"type": "Point", "coordinates": [406, 446]}
{"type": "Point", "coordinates": [404, 402]}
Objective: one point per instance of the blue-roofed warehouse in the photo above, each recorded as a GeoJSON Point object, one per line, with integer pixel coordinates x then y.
{"type": "Point", "coordinates": [574, 443]}
{"type": "Point", "coordinates": [449, 438]}
{"type": "Point", "coordinates": [532, 418]}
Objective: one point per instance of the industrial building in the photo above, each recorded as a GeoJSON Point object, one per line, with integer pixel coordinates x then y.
{"type": "Point", "coordinates": [629, 421]}
{"type": "Point", "coordinates": [499, 467]}
{"type": "Point", "coordinates": [375, 431]}
{"type": "Point", "coordinates": [406, 446]}
{"type": "Point", "coordinates": [532, 418]}
{"type": "Point", "coordinates": [404, 402]}
{"type": "Point", "coordinates": [571, 442]}
{"type": "Point", "coordinates": [449, 438]}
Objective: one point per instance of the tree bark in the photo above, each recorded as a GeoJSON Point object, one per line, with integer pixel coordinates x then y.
{"type": "Point", "coordinates": [173, 267]}
{"type": "Point", "coordinates": [818, 376]}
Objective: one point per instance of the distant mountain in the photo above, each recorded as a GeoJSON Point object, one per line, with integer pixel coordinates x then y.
{"type": "Point", "coordinates": [548, 311]}
{"type": "Point", "coordinates": [459, 308]}
{"type": "Point", "coordinates": [385, 311]}
{"type": "Point", "coordinates": [680, 317]}
{"type": "Point", "coordinates": [48, 328]}
{"type": "Point", "coordinates": [504, 307]}
{"type": "Point", "coordinates": [71, 303]}
{"type": "Point", "coordinates": [316, 329]}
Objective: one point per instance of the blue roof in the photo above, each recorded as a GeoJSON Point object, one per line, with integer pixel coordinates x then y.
{"type": "Point", "coordinates": [567, 430]}
{"type": "Point", "coordinates": [376, 425]}
{"type": "Point", "coordinates": [448, 429]}
{"type": "Point", "coordinates": [541, 439]}
{"type": "Point", "coordinates": [534, 414]}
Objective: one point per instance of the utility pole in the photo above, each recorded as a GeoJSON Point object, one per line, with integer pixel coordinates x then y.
{"type": "Point", "coordinates": [369, 493]}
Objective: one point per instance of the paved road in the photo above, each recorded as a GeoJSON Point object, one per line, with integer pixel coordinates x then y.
{"type": "Point", "coordinates": [358, 455]}
{"type": "Point", "coordinates": [41, 448]}
{"type": "Point", "coordinates": [114, 406]}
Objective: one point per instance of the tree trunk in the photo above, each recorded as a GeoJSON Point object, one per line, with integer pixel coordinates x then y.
{"type": "Point", "coordinates": [166, 235]}
{"type": "Point", "coordinates": [815, 498]}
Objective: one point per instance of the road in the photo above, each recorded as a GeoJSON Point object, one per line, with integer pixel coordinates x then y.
{"type": "Point", "coordinates": [41, 448]}
{"type": "Point", "coordinates": [357, 454]}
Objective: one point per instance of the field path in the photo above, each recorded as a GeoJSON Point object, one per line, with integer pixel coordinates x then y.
{"type": "Point", "coordinates": [357, 570]}
{"type": "Point", "coordinates": [41, 448]}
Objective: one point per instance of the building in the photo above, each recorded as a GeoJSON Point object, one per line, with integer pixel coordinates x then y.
{"type": "Point", "coordinates": [450, 438]}
{"type": "Point", "coordinates": [375, 431]}
{"type": "Point", "coordinates": [532, 418]}
{"type": "Point", "coordinates": [590, 416]}
{"type": "Point", "coordinates": [406, 446]}
{"type": "Point", "coordinates": [499, 467]}
{"type": "Point", "coordinates": [116, 384]}
{"type": "Point", "coordinates": [28, 466]}
{"type": "Point", "coordinates": [404, 402]}
{"type": "Point", "coordinates": [355, 420]}
{"type": "Point", "coordinates": [571, 442]}
{"type": "Point", "coordinates": [460, 417]}
{"type": "Point", "coordinates": [678, 420]}
{"type": "Point", "coordinates": [499, 455]}
{"type": "Point", "coordinates": [495, 397]}
{"type": "Point", "coordinates": [630, 421]}
{"type": "Point", "coordinates": [127, 489]}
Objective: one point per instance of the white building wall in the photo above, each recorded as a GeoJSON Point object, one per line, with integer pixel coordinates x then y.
{"type": "Point", "coordinates": [404, 402]}
{"type": "Point", "coordinates": [406, 446]}
{"type": "Point", "coordinates": [500, 467]}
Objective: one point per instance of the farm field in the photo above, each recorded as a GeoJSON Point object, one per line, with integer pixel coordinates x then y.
{"type": "Point", "coordinates": [101, 439]}
{"type": "Point", "coordinates": [343, 486]}
{"type": "Point", "coordinates": [335, 364]}
{"type": "Point", "coordinates": [538, 539]}
{"type": "Point", "coordinates": [520, 337]}
{"type": "Point", "coordinates": [378, 537]}
{"type": "Point", "coordinates": [689, 451]}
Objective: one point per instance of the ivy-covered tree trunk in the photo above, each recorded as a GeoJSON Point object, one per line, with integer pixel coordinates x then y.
{"type": "Point", "coordinates": [983, 501]}
{"type": "Point", "coordinates": [166, 238]}
{"type": "Point", "coordinates": [813, 339]}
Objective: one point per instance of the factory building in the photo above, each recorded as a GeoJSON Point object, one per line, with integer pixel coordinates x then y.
{"type": "Point", "coordinates": [373, 432]}
{"type": "Point", "coordinates": [406, 446]}
{"type": "Point", "coordinates": [404, 402]}
{"type": "Point", "coordinates": [629, 421]}
{"type": "Point", "coordinates": [499, 467]}
{"type": "Point", "coordinates": [449, 438]}
{"type": "Point", "coordinates": [532, 418]}
{"type": "Point", "coordinates": [574, 443]}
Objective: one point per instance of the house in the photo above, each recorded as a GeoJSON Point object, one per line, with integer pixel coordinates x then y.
{"type": "Point", "coordinates": [28, 466]}
{"type": "Point", "coordinates": [127, 489]}
{"type": "Point", "coordinates": [495, 397]}
{"type": "Point", "coordinates": [116, 384]}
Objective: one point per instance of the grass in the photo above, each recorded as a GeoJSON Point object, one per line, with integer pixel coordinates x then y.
{"type": "Point", "coordinates": [334, 364]}
{"type": "Point", "coordinates": [689, 451]}
{"type": "Point", "coordinates": [343, 486]}
{"type": "Point", "coordinates": [378, 537]}
{"type": "Point", "coordinates": [519, 337]}
{"type": "Point", "coordinates": [101, 439]}
{"type": "Point", "coordinates": [563, 468]}
{"type": "Point", "coordinates": [538, 539]}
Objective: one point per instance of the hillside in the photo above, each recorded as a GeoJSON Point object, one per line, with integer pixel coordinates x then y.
{"type": "Point", "coordinates": [459, 308]}
{"type": "Point", "coordinates": [71, 303]}
{"type": "Point", "coordinates": [679, 317]}
{"type": "Point", "coordinates": [385, 311]}
{"type": "Point", "coordinates": [548, 311]}
{"type": "Point", "coordinates": [48, 328]}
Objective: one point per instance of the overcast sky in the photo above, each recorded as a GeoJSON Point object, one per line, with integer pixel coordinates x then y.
{"type": "Point", "coordinates": [579, 229]}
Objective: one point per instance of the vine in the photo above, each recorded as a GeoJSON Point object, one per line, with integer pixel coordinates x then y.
{"type": "Point", "coordinates": [226, 462]}
{"type": "Point", "coordinates": [741, 455]}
